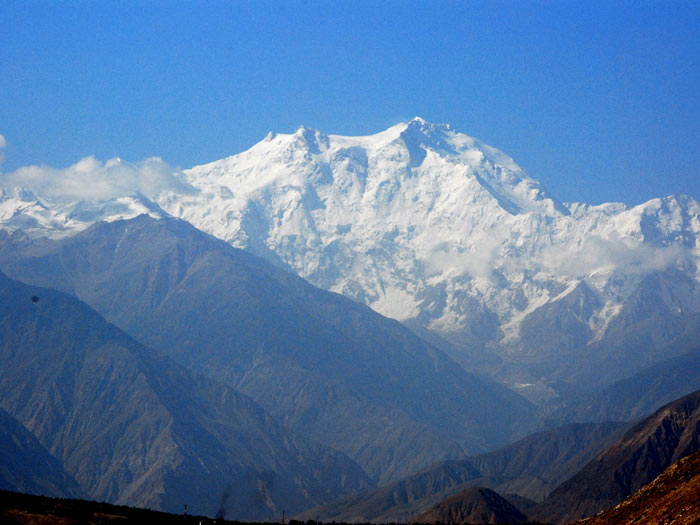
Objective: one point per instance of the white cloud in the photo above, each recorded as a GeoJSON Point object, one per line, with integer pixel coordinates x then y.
{"type": "Point", "coordinates": [3, 143]}
{"type": "Point", "coordinates": [478, 262]}
{"type": "Point", "coordinates": [90, 179]}
{"type": "Point", "coordinates": [598, 254]}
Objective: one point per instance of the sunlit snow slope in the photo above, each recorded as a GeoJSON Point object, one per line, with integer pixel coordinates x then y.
{"type": "Point", "coordinates": [23, 210]}
{"type": "Point", "coordinates": [436, 229]}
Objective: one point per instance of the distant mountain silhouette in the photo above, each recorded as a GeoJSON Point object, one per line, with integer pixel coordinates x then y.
{"type": "Point", "coordinates": [473, 505]}
{"type": "Point", "coordinates": [133, 427]}
{"type": "Point", "coordinates": [529, 468]}
{"type": "Point", "coordinates": [325, 366]}
{"type": "Point", "coordinates": [643, 453]}
{"type": "Point", "coordinates": [638, 395]}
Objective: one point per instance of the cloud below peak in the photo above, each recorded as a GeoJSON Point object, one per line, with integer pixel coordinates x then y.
{"type": "Point", "coordinates": [602, 254]}
{"type": "Point", "coordinates": [91, 179]}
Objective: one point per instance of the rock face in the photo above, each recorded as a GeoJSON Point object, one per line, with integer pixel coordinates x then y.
{"type": "Point", "coordinates": [670, 498]}
{"type": "Point", "coordinates": [325, 366]}
{"type": "Point", "coordinates": [643, 453]}
{"type": "Point", "coordinates": [132, 427]}
{"type": "Point", "coordinates": [26, 466]}
{"type": "Point", "coordinates": [474, 505]}
{"type": "Point", "coordinates": [528, 469]}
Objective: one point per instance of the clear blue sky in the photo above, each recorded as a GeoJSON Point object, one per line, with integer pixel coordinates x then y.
{"type": "Point", "coordinates": [600, 100]}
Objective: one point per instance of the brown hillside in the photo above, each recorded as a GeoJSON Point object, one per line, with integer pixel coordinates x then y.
{"type": "Point", "coordinates": [673, 497]}
{"type": "Point", "coordinates": [473, 505]}
{"type": "Point", "coordinates": [644, 452]}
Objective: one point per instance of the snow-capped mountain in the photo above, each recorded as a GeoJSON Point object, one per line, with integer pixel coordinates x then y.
{"type": "Point", "coordinates": [384, 219]}
{"type": "Point", "coordinates": [438, 230]}
{"type": "Point", "coordinates": [21, 209]}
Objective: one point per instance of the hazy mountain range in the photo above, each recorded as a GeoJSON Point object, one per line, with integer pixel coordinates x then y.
{"type": "Point", "coordinates": [26, 466]}
{"type": "Point", "coordinates": [132, 427]}
{"type": "Point", "coordinates": [529, 469]}
{"type": "Point", "coordinates": [432, 227]}
{"type": "Point", "coordinates": [444, 233]}
{"type": "Point", "coordinates": [642, 454]}
{"type": "Point", "coordinates": [344, 328]}
{"type": "Point", "coordinates": [574, 471]}
{"type": "Point", "coordinates": [322, 364]}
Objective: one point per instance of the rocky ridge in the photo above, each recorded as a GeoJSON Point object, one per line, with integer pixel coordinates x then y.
{"type": "Point", "coordinates": [670, 498]}
{"type": "Point", "coordinates": [635, 460]}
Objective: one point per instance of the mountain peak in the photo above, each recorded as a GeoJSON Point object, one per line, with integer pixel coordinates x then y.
{"type": "Point", "coordinates": [21, 209]}
{"type": "Point", "coordinates": [473, 505]}
{"type": "Point", "coordinates": [311, 138]}
{"type": "Point", "coordinates": [20, 194]}
{"type": "Point", "coordinates": [420, 122]}
{"type": "Point", "coordinates": [420, 135]}
{"type": "Point", "coordinates": [419, 125]}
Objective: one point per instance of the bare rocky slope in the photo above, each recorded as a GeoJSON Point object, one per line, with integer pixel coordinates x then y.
{"type": "Point", "coordinates": [670, 498]}
{"type": "Point", "coordinates": [26, 466]}
{"type": "Point", "coordinates": [132, 427]}
{"type": "Point", "coordinates": [475, 505]}
{"type": "Point", "coordinates": [526, 470]}
{"type": "Point", "coordinates": [643, 453]}
{"type": "Point", "coordinates": [327, 367]}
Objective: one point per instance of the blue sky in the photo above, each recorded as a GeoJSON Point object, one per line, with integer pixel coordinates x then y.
{"type": "Point", "coordinates": [599, 100]}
